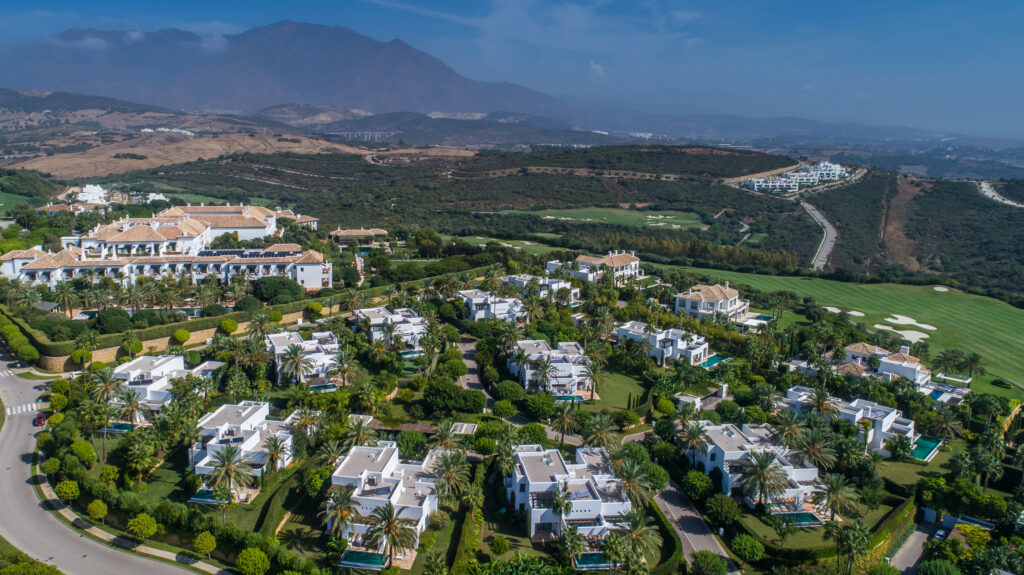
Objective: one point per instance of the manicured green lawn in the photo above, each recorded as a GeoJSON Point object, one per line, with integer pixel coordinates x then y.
{"type": "Point", "coordinates": [615, 393]}
{"type": "Point", "coordinates": [303, 533]}
{"type": "Point", "coordinates": [527, 246]}
{"type": "Point", "coordinates": [624, 217]}
{"type": "Point", "coordinates": [970, 322]}
{"type": "Point", "coordinates": [908, 473]}
{"type": "Point", "coordinates": [9, 201]}
{"type": "Point", "coordinates": [808, 537]}
{"type": "Point", "coordinates": [430, 540]}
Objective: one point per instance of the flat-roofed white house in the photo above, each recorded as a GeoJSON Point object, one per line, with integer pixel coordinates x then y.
{"type": "Point", "coordinates": [542, 287]}
{"type": "Point", "coordinates": [729, 448]}
{"type": "Point", "coordinates": [152, 377]}
{"type": "Point", "coordinates": [665, 344]}
{"type": "Point", "coordinates": [713, 300]}
{"type": "Point", "coordinates": [624, 267]}
{"type": "Point", "coordinates": [320, 350]}
{"type": "Point", "coordinates": [404, 324]}
{"type": "Point", "coordinates": [482, 305]}
{"type": "Point", "coordinates": [883, 423]}
{"type": "Point", "coordinates": [247, 427]}
{"type": "Point", "coordinates": [377, 477]}
{"type": "Point", "coordinates": [569, 367]}
{"type": "Point", "coordinates": [598, 500]}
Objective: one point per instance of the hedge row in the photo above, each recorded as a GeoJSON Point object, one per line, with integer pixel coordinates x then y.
{"type": "Point", "coordinates": [16, 341]}
{"type": "Point", "coordinates": [469, 535]}
{"type": "Point", "coordinates": [668, 534]}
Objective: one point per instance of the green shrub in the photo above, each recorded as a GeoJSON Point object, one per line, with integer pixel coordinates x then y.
{"type": "Point", "coordinates": [313, 310]}
{"type": "Point", "coordinates": [696, 486]}
{"type": "Point", "coordinates": [485, 446]}
{"type": "Point", "coordinates": [182, 335]}
{"type": "Point", "coordinates": [509, 390]}
{"type": "Point", "coordinates": [67, 491]}
{"type": "Point", "coordinates": [113, 320]}
{"type": "Point", "coordinates": [533, 433]}
{"type": "Point", "coordinates": [61, 386]}
{"type": "Point", "coordinates": [143, 526]}
{"type": "Point", "coordinates": [665, 406]}
{"type": "Point", "coordinates": [229, 326]}
{"type": "Point", "coordinates": [883, 569]}
{"type": "Point", "coordinates": [276, 316]}
{"type": "Point", "coordinates": [504, 409]}
{"type": "Point", "coordinates": [937, 567]}
{"type": "Point", "coordinates": [499, 545]}
{"type": "Point", "coordinates": [204, 543]}
{"type": "Point", "coordinates": [97, 510]}
{"type": "Point", "coordinates": [747, 548]}
{"type": "Point", "coordinates": [58, 401]}
{"type": "Point", "coordinates": [722, 510]}
{"type": "Point", "coordinates": [252, 561]}
{"type": "Point", "coordinates": [269, 288]}
{"type": "Point", "coordinates": [438, 520]}
{"type": "Point", "coordinates": [248, 304]}
{"type": "Point", "coordinates": [55, 420]}
{"type": "Point", "coordinates": [51, 466]}
{"type": "Point", "coordinates": [214, 310]}
{"type": "Point", "coordinates": [85, 452]}
{"type": "Point", "coordinates": [707, 563]}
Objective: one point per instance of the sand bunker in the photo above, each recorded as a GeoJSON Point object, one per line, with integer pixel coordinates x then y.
{"type": "Point", "coordinates": [941, 288]}
{"type": "Point", "coordinates": [855, 313]}
{"type": "Point", "coordinates": [832, 309]}
{"type": "Point", "coordinates": [905, 320]}
{"type": "Point", "coordinates": [913, 336]}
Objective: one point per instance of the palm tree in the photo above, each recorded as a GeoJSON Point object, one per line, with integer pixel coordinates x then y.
{"type": "Point", "coordinates": [788, 428]}
{"type": "Point", "coordinates": [473, 498]}
{"type": "Point", "coordinates": [852, 541]}
{"type": "Point", "coordinates": [615, 549]}
{"type": "Point", "coordinates": [835, 494]}
{"type": "Point", "coordinates": [634, 482]}
{"type": "Point", "coordinates": [331, 453]}
{"type": "Point", "coordinates": [104, 413]}
{"type": "Point", "coordinates": [946, 425]}
{"type": "Point", "coordinates": [260, 324]}
{"type": "Point", "coordinates": [564, 421]}
{"type": "Point", "coordinates": [602, 431]}
{"type": "Point", "coordinates": [65, 296]}
{"type": "Point", "coordinates": [815, 447]}
{"type": "Point", "coordinates": [338, 511]}
{"type": "Point", "coordinates": [133, 407]}
{"type": "Point", "coordinates": [899, 447]}
{"type": "Point", "coordinates": [87, 341]}
{"type": "Point", "coordinates": [294, 364]}
{"type": "Point", "coordinates": [639, 532]}
{"type": "Point", "coordinates": [252, 353]}
{"type": "Point", "coordinates": [342, 365]}
{"type": "Point", "coordinates": [544, 371]}
{"type": "Point", "coordinates": [451, 471]}
{"type": "Point", "coordinates": [232, 469]}
{"type": "Point", "coordinates": [949, 360]}
{"type": "Point", "coordinates": [684, 413]}
{"type": "Point", "coordinates": [128, 342]}
{"type": "Point", "coordinates": [561, 502]}
{"type": "Point", "coordinates": [298, 394]}
{"type": "Point", "coordinates": [821, 403]}
{"type": "Point", "coordinates": [358, 432]}
{"type": "Point", "coordinates": [505, 458]}
{"type": "Point", "coordinates": [139, 455]}
{"type": "Point", "coordinates": [760, 476]}
{"type": "Point", "coordinates": [694, 440]}
{"type": "Point", "coordinates": [594, 376]}
{"type": "Point", "coordinates": [972, 365]}
{"type": "Point", "coordinates": [391, 531]}
{"type": "Point", "coordinates": [446, 439]}
{"type": "Point", "coordinates": [277, 449]}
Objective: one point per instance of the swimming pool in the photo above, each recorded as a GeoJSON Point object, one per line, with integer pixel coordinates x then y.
{"type": "Point", "coordinates": [323, 388]}
{"type": "Point", "coordinates": [204, 496]}
{"type": "Point", "coordinates": [590, 560]}
{"type": "Point", "coordinates": [936, 395]}
{"type": "Point", "coordinates": [714, 360]}
{"type": "Point", "coordinates": [764, 317]}
{"type": "Point", "coordinates": [363, 558]}
{"type": "Point", "coordinates": [803, 518]}
{"type": "Point", "coordinates": [925, 448]}
{"type": "Point", "coordinates": [568, 398]}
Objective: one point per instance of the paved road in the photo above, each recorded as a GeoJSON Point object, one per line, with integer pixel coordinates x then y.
{"type": "Point", "coordinates": [909, 555]}
{"type": "Point", "coordinates": [828, 243]}
{"type": "Point", "coordinates": [23, 520]}
{"type": "Point", "coordinates": [693, 531]}
{"type": "Point", "coordinates": [986, 188]}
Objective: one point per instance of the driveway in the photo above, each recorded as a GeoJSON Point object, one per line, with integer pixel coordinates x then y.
{"type": "Point", "coordinates": [907, 558]}
{"type": "Point", "coordinates": [25, 523]}
{"type": "Point", "coordinates": [695, 534]}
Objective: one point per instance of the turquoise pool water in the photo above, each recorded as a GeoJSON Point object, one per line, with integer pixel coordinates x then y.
{"type": "Point", "coordinates": [568, 398]}
{"type": "Point", "coordinates": [204, 495]}
{"type": "Point", "coordinates": [575, 304]}
{"type": "Point", "coordinates": [763, 317]}
{"type": "Point", "coordinates": [363, 558]}
{"type": "Point", "coordinates": [803, 518]}
{"type": "Point", "coordinates": [925, 447]}
{"type": "Point", "coordinates": [713, 361]}
{"type": "Point", "coordinates": [322, 387]}
{"type": "Point", "coordinates": [935, 395]}
{"type": "Point", "coordinates": [585, 559]}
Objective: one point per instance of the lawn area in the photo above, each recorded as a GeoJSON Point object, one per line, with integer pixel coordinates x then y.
{"type": "Point", "coordinates": [500, 520]}
{"type": "Point", "coordinates": [970, 322]}
{"type": "Point", "coordinates": [431, 540]}
{"type": "Point", "coordinates": [302, 531]}
{"type": "Point", "coordinates": [528, 247]}
{"type": "Point", "coordinates": [9, 201]}
{"type": "Point", "coordinates": [615, 393]}
{"type": "Point", "coordinates": [625, 217]}
{"type": "Point", "coordinates": [807, 537]}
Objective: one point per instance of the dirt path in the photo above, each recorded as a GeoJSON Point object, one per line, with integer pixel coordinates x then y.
{"type": "Point", "coordinates": [768, 174]}
{"type": "Point", "coordinates": [897, 211]}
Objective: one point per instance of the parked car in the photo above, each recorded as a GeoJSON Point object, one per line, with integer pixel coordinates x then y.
{"type": "Point", "coordinates": [940, 534]}
{"type": "Point", "coordinates": [40, 420]}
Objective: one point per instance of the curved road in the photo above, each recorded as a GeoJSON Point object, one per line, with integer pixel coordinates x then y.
{"type": "Point", "coordinates": [26, 524]}
{"type": "Point", "coordinates": [827, 243]}
{"type": "Point", "coordinates": [986, 188]}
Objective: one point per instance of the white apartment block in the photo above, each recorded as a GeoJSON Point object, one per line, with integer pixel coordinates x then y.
{"type": "Point", "coordinates": [713, 300]}
{"type": "Point", "coordinates": [320, 350]}
{"type": "Point", "coordinates": [151, 377]}
{"type": "Point", "coordinates": [92, 194]}
{"type": "Point", "coordinates": [545, 287]}
{"type": "Point", "coordinates": [885, 422]}
{"type": "Point", "coordinates": [729, 448]}
{"type": "Point", "coordinates": [772, 185]}
{"type": "Point", "coordinates": [378, 477]}
{"type": "Point", "coordinates": [624, 266]}
{"type": "Point", "coordinates": [569, 367]}
{"type": "Point", "coordinates": [409, 327]}
{"type": "Point", "coordinates": [806, 176]}
{"type": "Point", "coordinates": [246, 426]}
{"type": "Point", "coordinates": [665, 344]}
{"type": "Point", "coordinates": [598, 500]}
{"type": "Point", "coordinates": [483, 305]}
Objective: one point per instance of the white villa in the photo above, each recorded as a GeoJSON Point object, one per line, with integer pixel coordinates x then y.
{"type": "Point", "coordinates": [483, 305]}
{"type": "Point", "coordinates": [569, 367]}
{"type": "Point", "coordinates": [890, 365]}
{"type": "Point", "coordinates": [547, 287]}
{"type": "Point", "coordinates": [245, 426]}
{"type": "Point", "coordinates": [624, 266]}
{"type": "Point", "coordinates": [665, 344]}
{"type": "Point", "coordinates": [409, 327]}
{"type": "Point", "coordinates": [377, 477]}
{"type": "Point", "coordinates": [151, 377]}
{"type": "Point", "coordinates": [320, 350]}
{"type": "Point", "coordinates": [710, 301]}
{"type": "Point", "coordinates": [729, 448]}
{"type": "Point", "coordinates": [885, 422]}
{"type": "Point", "coordinates": [598, 500]}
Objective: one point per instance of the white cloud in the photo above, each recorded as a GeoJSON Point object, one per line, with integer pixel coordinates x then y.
{"type": "Point", "coordinates": [134, 36]}
{"type": "Point", "coordinates": [86, 43]}
{"type": "Point", "coordinates": [596, 72]}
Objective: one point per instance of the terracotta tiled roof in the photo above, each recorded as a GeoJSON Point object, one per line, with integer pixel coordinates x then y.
{"type": "Point", "coordinates": [902, 358]}
{"type": "Point", "coordinates": [710, 293]}
{"type": "Point", "coordinates": [864, 347]}
{"type": "Point", "coordinates": [54, 208]}
{"type": "Point", "coordinates": [22, 255]}
{"type": "Point", "coordinates": [283, 248]}
{"type": "Point", "coordinates": [138, 234]}
{"type": "Point", "coordinates": [231, 221]}
{"type": "Point", "coordinates": [610, 261]}
{"type": "Point", "coordinates": [305, 219]}
{"type": "Point", "coordinates": [311, 257]}
{"type": "Point", "coordinates": [851, 368]}
{"type": "Point", "coordinates": [360, 233]}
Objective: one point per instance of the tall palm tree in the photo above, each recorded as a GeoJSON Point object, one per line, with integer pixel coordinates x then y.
{"type": "Point", "coordinates": [446, 439]}
{"type": "Point", "coordinates": [760, 476]}
{"type": "Point", "coordinates": [451, 471]}
{"type": "Point", "coordinates": [564, 421]}
{"type": "Point", "coordinates": [946, 425]}
{"type": "Point", "coordinates": [128, 342]}
{"type": "Point", "coordinates": [788, 428]}
{"type": "Point", "coordinates": [133, 407]}
{"type": "Point", "coordinates": [639, 532]}
{"type": "Point", "coordinates": [835, 494]}
{"type": "Point", "coordinates": [391, 531]}
{"type": "Point", "coordinates": [331, 453]}
{"type": "Point", "coordinates": [252, 353]}
{"type": "Point", "coordinates": [816, 448]}
{"type": "Point", "coordinates": [473, 497]}
{"type": "Point", "coordinates": [694, 439]}
{"type": "Point", "coordinates": [232, 469]}
{"type": "Point", "coordinates": [65, 296]}
{"type": "Point", "coordinates": [615, 549]}
{"type": "Point", "coordinates": [972, 365]}
{"type": "Point", "coordinates": [260, 324]}
{"type": "Point", "coordinates": [298, 394]}
{"type": "Point", "coordinates": [339, 511]}
{"type": "Point", "coordinates": [342, 365]}
{"type": "Point", "coordinates": [87, 341]}
{"type": "Point", "coordinates": [594, 376]}
{"type": "Point", "coordinates": [277, 449]}
{"type": "Point", "coordinates": [602, 431]}
{"type": "Point", "coordinates": [294, 364]}
{"type": "Point", "coordinates": [306, 421]}
{"type": "Point", "coordinates": [505, 458]}
{"type": "Point", "coordinates": [544, 372]}
{"type": "Point", "coordinates": [104, 412]}
{"type": "Point", "coordinates": [821, 403]}
{"type": "Point", "coordinates": [561, 502]}
{"type": "Point", "coordinates": [139, 455]}
{"type": "Point", "coordinates": [685, 412]}
{"type": "Point", "coordinates": [634, 482]}
{"type": "Point", "coordinates": [358, 432]}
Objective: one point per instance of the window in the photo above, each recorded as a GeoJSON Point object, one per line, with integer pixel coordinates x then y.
{"type": "Point", "coordinates": [712, 456]}
{"type": "Point", "coordinates": [522, 488]}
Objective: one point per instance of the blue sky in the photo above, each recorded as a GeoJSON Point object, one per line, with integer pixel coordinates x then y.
{"type": "Point", "coordinates": [953, 66]}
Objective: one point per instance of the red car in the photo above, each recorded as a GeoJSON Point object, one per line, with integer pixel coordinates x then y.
{"type": "Point", "coordinates": [40, 420]}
